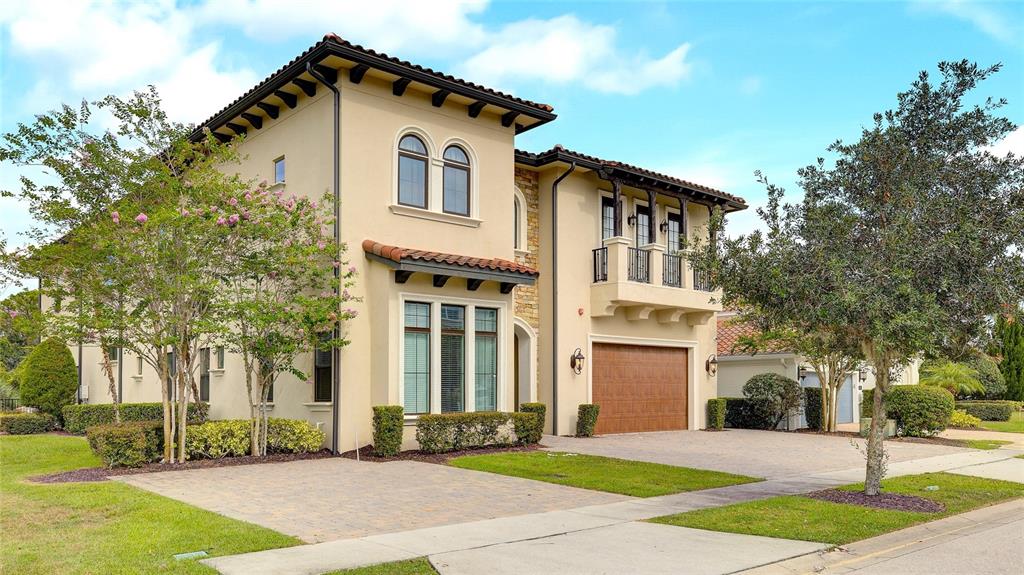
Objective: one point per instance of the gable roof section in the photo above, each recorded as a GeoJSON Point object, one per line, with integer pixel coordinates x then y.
{"type": "Point", "coordinates": [358, 56]}
{"type": "Point", "coordinates": [632, 174]}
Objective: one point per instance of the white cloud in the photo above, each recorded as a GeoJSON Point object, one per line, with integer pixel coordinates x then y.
{"type": "Point", "coordinates": [565, 49]}
{"type": "Point", "coordinates": [385, 25]}
{"type": "Point", "coordinates": [983, 15]}
{"type": "Point", "coordinates": [1013, 142]}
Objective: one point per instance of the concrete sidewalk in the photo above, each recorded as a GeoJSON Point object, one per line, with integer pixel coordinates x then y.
{"type": "Point", "coordinates": [570, 529]}
{"type": "Point", "coordinates": [987, 541]}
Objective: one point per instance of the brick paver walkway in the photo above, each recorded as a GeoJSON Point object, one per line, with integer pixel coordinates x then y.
{"type": "Point", "coordinates": [328, 499]}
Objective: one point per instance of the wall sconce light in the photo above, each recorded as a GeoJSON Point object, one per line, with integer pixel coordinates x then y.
{"type": "Point", "coordinates": [663, 226]}
{"type": "Point", "coordinates": [711, 365]}
{"type": "Point", "coordinates": [863, 373]}
{"type": "Point", "coordinates": [576, 361]}
{"type": "Point", "coordinates": [631, 220]}
{"type": "Point", "coordinates": [801, 372]}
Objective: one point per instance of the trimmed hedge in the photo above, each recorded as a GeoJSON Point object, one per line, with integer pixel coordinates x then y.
{"type": "Point", "coordinates": [812, 407]}
{"type": "Point", "coordinates": [26, 423]}
{"type": "Point", "coordinates": [78, 418]}
{"type": "Point", "coordinates": [535, 407]}
{"type": "Point", "coordinates": [586, 419]}
{"type": "Point", "coordinates": [49, 377]}
{"type": "Point", "coordinates": [528, 426]}
{"type": "Point", "coordinates": [387, 429]}
{"type": "Point", "coordinates": [130, 444]}
{"type": "Point", "coordinates": [231, 438]}
{"type": "Point", "coordinates": [988, 410]}
{"type": "Point", "coordinates": [443, 432]}
{"type": "Point", "coordinates": [716, 413]}
{"type": "Point", "coordinates": [920, 410]}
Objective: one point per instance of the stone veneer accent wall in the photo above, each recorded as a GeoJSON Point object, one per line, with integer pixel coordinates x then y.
{"type": "Point", "coordinates": [527, 298]}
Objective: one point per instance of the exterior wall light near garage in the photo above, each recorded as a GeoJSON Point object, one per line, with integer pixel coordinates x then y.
{"type": "Point", "coordinates": [576, 361]}
{"type": "Point", "coordinates": [711, 365]}
{"type": "Point", "coordinates": [801, 372]}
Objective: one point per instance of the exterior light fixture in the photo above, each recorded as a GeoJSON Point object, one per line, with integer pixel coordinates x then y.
{"type": "Point", "coordinates": [711, 365]}
{"type": "Point", "coordinates": [863, 373]}
{"type": "Point", "coordinates": [576, 361]}
{"type": "Point", "coordinates": [663, 226]}
{"type": "Point", "coordinates": [631, 220]}
{"type": "Point", "coordinates": [801, 372]}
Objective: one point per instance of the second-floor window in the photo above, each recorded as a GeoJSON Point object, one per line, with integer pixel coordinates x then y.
{"type": "Point", "coordinates": [412, 172]}
{"type": "Point", "coordinates": [607, 217]}
{"type": "Point", "coordinates": [643, 225]}
{"type": "Point", "coordinates": [456, 181]}
{"type": "Point", "coordinates": [675, 233]}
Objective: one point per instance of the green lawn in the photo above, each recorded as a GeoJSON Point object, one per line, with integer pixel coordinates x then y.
{"type": "Point", "coordinates": [411, 567]}
{"type": "Point", "coordinates": [103, 527]}
{"type": "Point", "coordinates": [796, 517]}
{"type": "Point", "coordinates": [636, 478]}
{"type": "Point", "coordinates": [1015, 425]}
{"type": "Point", "coordinates": [986, 443]}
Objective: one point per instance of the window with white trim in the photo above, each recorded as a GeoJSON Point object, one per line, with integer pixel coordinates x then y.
{"type": "Point", "coordinates": [453, 358]}
{"type": "Point", "coordinates": [456, 181]}
{"type": "Point", "coordinates": [279, 170]}
{"type": "Point", "coordinates": [486, 359]}
{"type": "Point", "coordinates": [412, 172]}
{"type": "Point", "coordinates": [416, 376]}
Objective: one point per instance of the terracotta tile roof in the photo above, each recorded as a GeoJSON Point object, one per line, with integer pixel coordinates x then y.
{"type": "Point", "coordinates": [398, 255]}
{"type": "Point", "coordinates": [561, 153]}
{"type": "Point", "coordinates": [731, 329]}
{"type": "Point", "coordinates": [330, 40]}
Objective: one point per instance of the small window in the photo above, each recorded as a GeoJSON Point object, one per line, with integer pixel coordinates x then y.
{"type": "Point", "coordinates": [220, 357]}
{"type": "Point", "coordinates": [322, 360]}
{"type": "Point", "coordinates": [456, 181]}
{"type": "Point", "coordinates": [412, 172]}
{"type": "Point", "coordinates": [138, 365]}
{"type": "Point", "coordinates": [204, 374]}
{"type": "Point", "coordinates": [113, 352]}
{"type": "Point", "coordinates": [517, 226]}
{"type": "Point", "coordinates": [279, 170]}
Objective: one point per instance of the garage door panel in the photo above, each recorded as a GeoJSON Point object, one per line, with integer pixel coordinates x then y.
{"type": "Point", "coordinates": [639, 388]}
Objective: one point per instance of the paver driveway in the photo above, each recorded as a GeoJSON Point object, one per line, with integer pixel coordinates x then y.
{"type": "Point", "coordinates": [767, 454]}
{"type": "Point", "coordinates": [327, 499]}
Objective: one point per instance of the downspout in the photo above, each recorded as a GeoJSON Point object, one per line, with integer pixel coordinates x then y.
{"type": "Point", "coordinates": [554, 296]}
{"type": "Point", "coordinates": [336, 352]}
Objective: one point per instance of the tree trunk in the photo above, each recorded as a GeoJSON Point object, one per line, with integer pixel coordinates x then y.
{"type": "Point", "coordinates": [168, 411]}
{"type": "Point", "coordinates": [108, 370]}
{"type": "Point", "coordinates": [876, 434]}
{"type": "Point", "coordinates": [823, 417]}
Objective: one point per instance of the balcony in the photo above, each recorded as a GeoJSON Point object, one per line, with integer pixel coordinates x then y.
{"type": "Point", "coordinates": [647, 282]}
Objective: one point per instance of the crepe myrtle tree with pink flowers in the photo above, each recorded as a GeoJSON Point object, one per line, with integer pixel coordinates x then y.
{"type": "Point", "coordinates": [118, 203]}
{"type": "Point", "coordinates": [285, 290]}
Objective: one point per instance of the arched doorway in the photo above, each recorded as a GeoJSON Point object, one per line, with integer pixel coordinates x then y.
{"type": "Point", "coordinates": [525, 363]}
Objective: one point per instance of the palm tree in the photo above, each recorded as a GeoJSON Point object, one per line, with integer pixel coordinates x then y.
{"type": "Point", "coordinates": [957, 378]}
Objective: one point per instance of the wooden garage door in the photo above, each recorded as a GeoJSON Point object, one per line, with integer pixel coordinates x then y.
{"type": "Point", "coordinates": [639, 388]}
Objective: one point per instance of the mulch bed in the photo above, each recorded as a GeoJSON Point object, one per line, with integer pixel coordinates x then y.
{"type": "Point", "coordinates": [102, 473]}
{"type": "Point", "coordinates": [890, 501]}
{"type": "Point", "coordinates": [366, 454]}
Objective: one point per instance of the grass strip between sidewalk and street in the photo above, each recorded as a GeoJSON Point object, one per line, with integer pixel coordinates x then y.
{"type": "Point", "coordinates": [622, 476]}
{"type": "Point", "coordinates": [418, 566]}
{"type": "Point", "coordinates": [807, 519]}
{"type": "Point", "coordinates": [106, 526]}
{"type": "Point", "coordinates": [986, 443]}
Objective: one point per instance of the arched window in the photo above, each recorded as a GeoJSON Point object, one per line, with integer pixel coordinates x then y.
{"type": "Point", "coordinates": [412, 172]}
{"type": "Point", "coordinates": [456, 181]}
{"type": "Point", "coordinates": [516, 211]}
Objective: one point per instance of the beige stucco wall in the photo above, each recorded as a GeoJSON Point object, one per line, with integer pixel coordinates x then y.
{"type": "Point", "coordinates": [734, 371]}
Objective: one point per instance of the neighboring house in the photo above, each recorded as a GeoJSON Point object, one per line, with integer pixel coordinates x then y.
{"type": "Point", "coordinates": [736, 366]}
{"type": "Point", "coordinates": [478, 283]}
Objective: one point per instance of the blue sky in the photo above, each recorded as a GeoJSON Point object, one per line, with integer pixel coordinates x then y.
{"type": "Point", "coordinates": [707, 91]}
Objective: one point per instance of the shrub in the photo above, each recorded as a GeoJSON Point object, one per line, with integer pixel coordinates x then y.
{"type": "Point", "coordinates": [232, 438]}
{"type": "Point", "coordinates": [77, 418]}
{"type": "Point", "coordinates": [536, 407]}
{"type": "Point", "coordinates": [866, 405]}
{"type": "Point", "coordinates": [737, 413]}
{"type": "Point", "coordinates": [961, 418]}
{"type": "Point", "coordinates": [50, 378]}
{"type": "Point", "coordinates": [293, 436]}
{"type": "Point", "coordinates": [129, 444]}
{"type": "Point", "coordinates": [812, 407]}
{"type": "Point", "coordinates": [988, 410]}
{"type": "Point", "coordinates": [443, 432]}
{"type": "Point", "coordinates": [528, 426]}
{"type": "Point", "coordinates": [26, 423]}
{"type": "Point", "coordinates": [771, 397]}
{"type": "Point", "coordinates": [716, 413]}
{"type": "Point", "coordinates": [919, 410]}
{"type": "Point", "coordinates": [991, 378]}
{"type": "Point", "coordinates": [586, 419]}
{"type": "Point", "coordinates": [387, 429]}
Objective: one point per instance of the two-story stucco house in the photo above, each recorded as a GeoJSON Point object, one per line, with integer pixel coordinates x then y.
{"type": "Point", "coordinates": [482, 270]}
